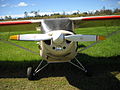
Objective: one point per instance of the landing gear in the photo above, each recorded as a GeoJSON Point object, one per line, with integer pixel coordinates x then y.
{"type": "Point", "coordinates": [31, 73]}
{"type": "Point", "coordinates": [81, 67]}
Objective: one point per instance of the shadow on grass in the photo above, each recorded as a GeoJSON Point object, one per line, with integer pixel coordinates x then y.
{"type": "Point", "coordinates": [101, 68]}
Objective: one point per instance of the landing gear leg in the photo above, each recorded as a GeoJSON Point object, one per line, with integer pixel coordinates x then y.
{"type": "Point", "coordinates": [31, 73]}
{"type": "Point", "coordinates": [80, 66]}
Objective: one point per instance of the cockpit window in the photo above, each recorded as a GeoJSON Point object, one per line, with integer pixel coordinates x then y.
{"type": "Point", "coordinates": [56, 24]}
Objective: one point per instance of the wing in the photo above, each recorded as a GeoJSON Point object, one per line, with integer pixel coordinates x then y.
{"type": "Point", "coordinates": [96, 18]}
{"type": "Point", "coordinates": [20, 22]}
{"type": "Point", "coordinates": [73, 19]}
{"type": "Point", "coordinates": [40, 37]}
{"type": "Point", "coordinates": [72, 38]}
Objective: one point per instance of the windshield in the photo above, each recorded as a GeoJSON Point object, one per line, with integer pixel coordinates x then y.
{"type": "Point", "coordinates": [56, 24]}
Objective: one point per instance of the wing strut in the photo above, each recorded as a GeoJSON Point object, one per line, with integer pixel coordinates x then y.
{"type": "Point", "coordinates": [4, 41]}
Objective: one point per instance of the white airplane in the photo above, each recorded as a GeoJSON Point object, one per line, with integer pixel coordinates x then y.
{"type": "Point", "coordinates": [58, 43]}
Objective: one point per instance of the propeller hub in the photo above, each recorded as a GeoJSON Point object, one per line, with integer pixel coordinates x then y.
{"type": "Point", "coordinates": [58, 37]}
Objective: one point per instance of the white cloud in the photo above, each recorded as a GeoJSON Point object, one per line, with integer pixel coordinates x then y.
{"type": "Point", "coordinates": [18, 15]}
{"type": "Point", "coordinates": [118, 2]}
{"type": "Point", "coordinates": [4, 5]}
{"type": "Point", "coordinates": [13, 16]}
{"type": "Point", "coordinates": [22, 4]}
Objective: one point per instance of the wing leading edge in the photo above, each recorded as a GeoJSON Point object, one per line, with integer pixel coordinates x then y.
{"type": "Point", "coordinates": [20, 22]}
{"type": "Point", "coordinates": [96, 18]}
{"type": "Point", "coordinates": [73, 19]}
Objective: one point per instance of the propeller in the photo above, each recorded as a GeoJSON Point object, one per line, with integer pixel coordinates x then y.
{"type": "Point", "coordinates": [57, 37]}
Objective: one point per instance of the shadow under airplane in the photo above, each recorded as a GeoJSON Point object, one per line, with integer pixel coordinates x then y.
{"type": "Point", "coordinates": [100, 67]}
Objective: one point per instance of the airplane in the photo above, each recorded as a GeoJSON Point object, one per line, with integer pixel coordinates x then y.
{"type": "Point", "coordinates": [58, 42]}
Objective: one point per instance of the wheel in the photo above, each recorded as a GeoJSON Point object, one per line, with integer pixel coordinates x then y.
{"type": "Point", "coordinates": [30, 75]}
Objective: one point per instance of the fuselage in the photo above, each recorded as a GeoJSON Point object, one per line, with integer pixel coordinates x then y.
{"type": "Point", "coordinates": [57, 49]}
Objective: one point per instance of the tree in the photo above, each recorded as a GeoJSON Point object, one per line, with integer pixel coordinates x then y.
{"type": "Point", "coordinates": [85, 13]}
{"type": "Point", "coordinates": [117, 10]}
{"type": "Point", "coordinates": [108, 12]}
{"type": "Point", "coordinates": [26, 14]}
{"type": "Point", "coordinates": [63, 13]}
{"type": "Point", "coordinates": [97, 12]}
{"type": "Point", "coordinates": [1, 18]}
{"type": "Point", "coordinates": [36, 13]}
{"type": "Point", "coordinates": [8, 17]}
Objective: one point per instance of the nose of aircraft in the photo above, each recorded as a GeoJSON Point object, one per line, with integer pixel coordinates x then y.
{"type": "Point", "coordinates": [58, 37]}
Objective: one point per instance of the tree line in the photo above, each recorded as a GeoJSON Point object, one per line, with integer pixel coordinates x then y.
{"type": "Point", "coordinates": [37, 15]}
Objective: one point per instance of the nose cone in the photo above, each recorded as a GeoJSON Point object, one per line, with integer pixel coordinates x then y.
{"type": "Point", "coordinates": [58, 37]}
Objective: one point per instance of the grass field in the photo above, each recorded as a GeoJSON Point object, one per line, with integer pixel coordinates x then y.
{"type": "Point", "coordinates": [103, 60]}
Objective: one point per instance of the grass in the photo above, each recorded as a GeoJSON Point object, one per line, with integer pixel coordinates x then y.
{"type": "Point", "coordinates": [109, 47]}
{"type": "Point", "coordinates": [102, 59]}
{"type": "Point", "coordinates": [11, 53]}
{"type": "Point", "coordinates": [25, 27]}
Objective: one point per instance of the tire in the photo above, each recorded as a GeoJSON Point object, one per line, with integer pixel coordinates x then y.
{"type": "Point", "coordinates": [30, 75]}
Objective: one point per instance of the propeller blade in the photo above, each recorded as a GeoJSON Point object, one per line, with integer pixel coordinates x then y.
{"type": "Point", "coordinates": [84, 38]}
{"type": "Point", "coordinates": [31, 37]}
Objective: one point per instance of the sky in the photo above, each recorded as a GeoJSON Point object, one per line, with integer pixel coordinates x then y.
{"type": "Point", "coordinates": [16, 8]}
